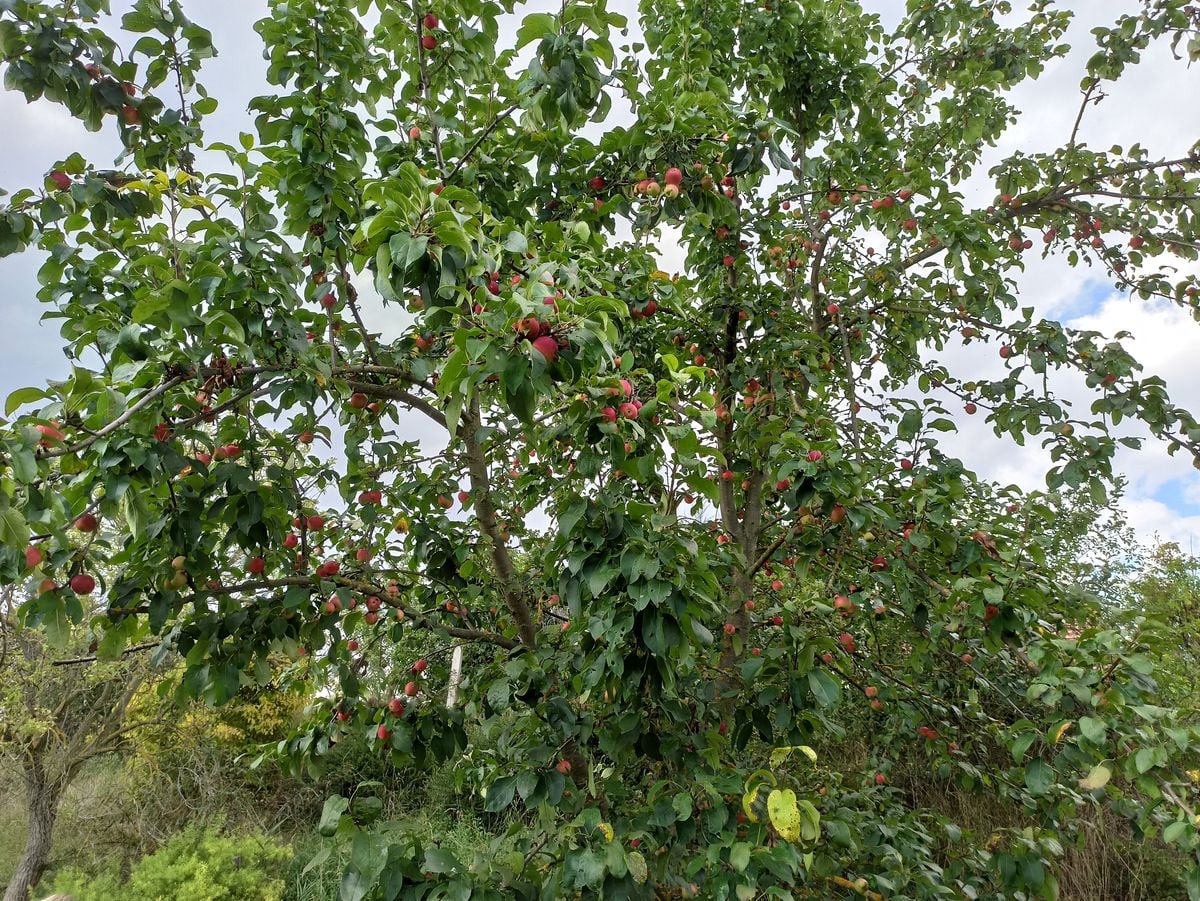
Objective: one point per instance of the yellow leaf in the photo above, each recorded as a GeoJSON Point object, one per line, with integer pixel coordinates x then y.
{"type": "Point", "coordinates": [1058, 733]}
{"type": "Point", "coordinates": [1097, 778]}
{"type": "Point", "coordinates": [607, 830]}
{"type": "Point", "coordinates": [785, 814]}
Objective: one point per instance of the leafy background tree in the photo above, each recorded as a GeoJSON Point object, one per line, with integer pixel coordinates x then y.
{"type": "Point", "coordinates": [735, 622]}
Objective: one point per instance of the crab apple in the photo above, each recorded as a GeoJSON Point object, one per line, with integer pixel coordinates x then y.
{"type": "Point", "coordinates": [291, 540]}
{"type": "Point", "coordinates": [362, 555]}
{"type": "Point", "coordinates": [876, 704]}
{"type": "Point", "coordinates": [352, 645]}
{"type": "Point", "coordinates": [966, 658]}
{"type": "Point", "coordinates": [305, 438]}
{"type": "Point", "coordinates": [256, 566]}
{"type": "Point", "coordinates": [331, 567]}
{"type": "Point", "coordinates": [87, 523]}
{"type": "Point", "coordinates": [547, 346]}
{"type": "Point", "coordinates": [411, 689]}
{"type": "Point", "coordinates": [783, 485]}
{"type": "Point", "coordinates": [728, 260]}
{"type": "Point", "coordinates": [629, 411]}
{"type": "Point", "coordinates": [673, 176]}
{"type": "Point", "coordinates": [414, 134]}
{"type": "Point", "coordinates": [383, 732]}
{"type": "Point", "coordinates": [429, 42]}
{"type": "Point", "coordinates": [563, 766]}
{"type": "Point", "coordinates": [990, 612]}
{"type": "Point", "coordinates": [843, 604]}
{"type": "Point", "coordinates": [879, 563]}
{"type": "Point", "coordinates": [777, 585]}
{"type": "Point", "coordinates": [833, 309]}
{"type": "Point", "coordinates": [132, 115]}
{"type": "Point", "coordinates": [50, 433]}
{"type": "Point", "coordinates": [430, 21]}
{"type": "Point", "coordinates": [846, 640]}
{"type": "Point", "coordinates": [46, 586]}
{"type": "Point", "coordinates": [730, 628]}
{"type": "Point", "coordinates": [827, 658]}
{"type": "Point", "coordinates": [749, 605]}
{"type": "Point", "coordinates": [970, 408]}
{"type": "Point", "coordinates": [61, 180]}
{"type": "Point", "coordinates": [909, 224]}
{"type": "Point", "coordinates": [906, 464]}
{"type": "Point", "coordinates": [598, 183]}
{"type": "Point", "coordinates": [837, 514]}
{"type": "Point", "coordinates": [880, 778]}
{"type": "Point", "coordinates": [1136, 241]}
{"type": "Point", "coordinates": [608, 414]}
{"type": "Point", "coordinates": [1005, 351]}
{"type": "Point", "coordinates": [727, 475]}
{"type": "Point", "coordinates": [33, 556]}
{"type": "Point", "coordinates": [871, 691]}
{"type": "Point", "coordinates": [420, 666]}
{"type": "Point", "coordinates": [82, 583]}
{"type": "Point", "coordinates": [358, 400]}
{"type": "Point", "coordinates": [815, 456]}
{"type": "Point", "coordinates": [777, 620]}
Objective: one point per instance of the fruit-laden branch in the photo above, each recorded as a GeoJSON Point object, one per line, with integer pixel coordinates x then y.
{"type": "Point", "coordinates": [144, 401]}
{"type": "Point", "coordinates": [92, 658]}
{"type": "Point", "coordinates": [485, 510]}
{"type": "Point", "coordinates": [391, 392]}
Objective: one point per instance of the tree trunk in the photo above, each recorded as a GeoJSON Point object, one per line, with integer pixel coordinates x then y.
{"type": "Point", "coordinates": [456, 662]}
{"type": "Point", "coordinates": [43, 797]}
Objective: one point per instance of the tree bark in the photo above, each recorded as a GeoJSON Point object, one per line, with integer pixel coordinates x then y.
{"type": "Point", "coordinates": [42, 796]}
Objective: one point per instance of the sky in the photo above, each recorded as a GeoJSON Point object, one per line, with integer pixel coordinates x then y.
{"type": "Point", "coordinates": [1148, 106]}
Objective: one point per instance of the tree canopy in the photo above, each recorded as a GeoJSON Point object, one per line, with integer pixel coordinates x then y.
{"type": "Point", "coordinates": [694, 528]}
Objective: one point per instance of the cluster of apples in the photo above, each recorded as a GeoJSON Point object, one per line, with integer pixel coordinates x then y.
{"type": "Point", "coordinates": [541, 337]}
{"type": "Point", "coordinates": [628, 408]}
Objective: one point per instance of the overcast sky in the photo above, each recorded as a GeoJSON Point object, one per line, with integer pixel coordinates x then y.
{"type": "Point", "coordinates": [1154, 105]}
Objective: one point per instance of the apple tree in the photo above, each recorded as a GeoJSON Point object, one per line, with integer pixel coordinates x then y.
{"type": "Point", "coordinates": [401, 369]}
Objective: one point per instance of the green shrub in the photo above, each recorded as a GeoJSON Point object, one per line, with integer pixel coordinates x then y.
{"type": "Point", "coordinates": [193, 865]}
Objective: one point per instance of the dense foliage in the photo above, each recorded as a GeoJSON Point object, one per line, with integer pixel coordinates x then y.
{"type": "Point", "coordinates": [690, 528]}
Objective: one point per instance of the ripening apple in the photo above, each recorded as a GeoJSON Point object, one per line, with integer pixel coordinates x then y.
{"type": "Point", "coordinates": [429, 42]}
{"type": "Point", "coordinates": [352, 645]}
{"type": "Point", "coordinates": [846, 640]}
{"type": "Point", "coordinates": [362, 555]}
{"type": "Point", "coordinates": [777, 585]}
{"type": "Point", "coordinates": [358, 400]}
{"type": "Point", "coordinates": [87, 523]}
{"type": "Point", "coordinates": [966, 658]}
{"type": "Point", "coordinates": [906, 464]}
{"type": "Point", "coordinates": [815, 456]}
{"type": "Point", "coordinates": [629, 411]}
{"type": "Point", "coordinates": [33, 556]}
{"type": "Point", "coordinates": [256, 566]}
{"type": "Point", "coordinates": [396, 707]}
{"type": "Point", "coordinates": [383, 732]}
{"type": "Point", "coordinates": [730, 628]}
{"type": "Point", "coordinates": [547, 346]}
{"type": "Point", "coordinates": [598, 183]}
{"type": "Point", "coordinates": [880, 778]}
{"type": "Point", "coordinates": [833, 309]}
{"type": "Point", "coordinates": [783, 485]}
{"type": "Point", "coordinates": [827, 658]}
{"type": "Point", "coordinates": [414, 134]}
{"type": "Point", "coordinates": [970, 408]}
{"type": "Point", "coordinates": [1005, 351]}
{"type": "Point", "coordinates": [61, 180]}
{"type": "Point", "coordinates": [430, 21]}
{"type": "Point", "coordinates": [411, 689]}
{"type": "Point", "coordinates": [777, 620]}
{"type": "Point", "coordinates": [50, 433]}
{"type": "Point", "coordinates": [871, 691]}
{"type": "Point", "coordinates": [305, 438]}
{"type": "Point", "coordinates": [315, 523]}
{"type": "Point", "coordinates": [608, 414]}
{"type": "Point", "coordinates": [727, 475]}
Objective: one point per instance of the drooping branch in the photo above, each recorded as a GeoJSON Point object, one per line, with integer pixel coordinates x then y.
{"type": "Point", "coordinates": [391, 392]}
{"type": "Point", "coordinates": [140, 404]}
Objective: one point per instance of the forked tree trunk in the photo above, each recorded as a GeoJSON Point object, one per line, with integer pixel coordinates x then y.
{"type": "Point", "coordinates": [42, 797]}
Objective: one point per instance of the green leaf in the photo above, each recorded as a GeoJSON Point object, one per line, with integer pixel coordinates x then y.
{"type": "Point", "coordinates": [331, 814]}
{"type": "Point", "coordinates": [1039, 776]}
{"type": "Point", "coordinates": [534, 27]}
{"type": "Point", "coordinates": [739, 856]}
{"type": "Point", "coordinates": [826, 689]}
{"type": "Point", "coordinates": [500, 794]}
{"type": "Point", "coordinates": [1092, 729]}
{"type": "Point", "coordinates": [22, 396]}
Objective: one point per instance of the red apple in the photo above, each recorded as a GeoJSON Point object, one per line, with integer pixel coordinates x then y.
{"type": "Point", "coordinates": [673, 176]}
{"type": "Point", "coordinates": [430, 21]}
{"type": "Point", "coordinates": [383, 732]}
{"type": "Point", "coordinates": [429, 42]}
{"type": "Point", "coordinates": [396, 707]}
{"type": "Point", "coordinates": [33, 556]}
{"type": "Point", "coordinates": [87, 523]}
{"type": "Point", "coordinates": [61, 180]}
{"type": "Point", "coordinates": [315, 523]}
{"type": "Point", "coordinates": [358, 400]}
{"type": "Point", "coordinates": [82, 583]}
{"type": "Point", "coordinates": [411, 689]}
{"type": "Point", "coordinates": [547, 346]}
{"type": "Point", "coordinates": [846, 640]}
{"type": "Point", "coordinates": [256, 566]}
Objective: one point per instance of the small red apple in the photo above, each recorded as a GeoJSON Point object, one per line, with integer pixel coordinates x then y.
{"type": "Point", "coordinates": [411, 689]}
{"type": "Point", "coordinates": [82, 583]}
{"type": "Point", "coordinates": [429, 42]}
{"type": "Point", "coordinates": [256, 566]}
{"type": "Point", "coordinates": [87, 523]}
{"type": "Point", "coordinates": [547, 346]}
